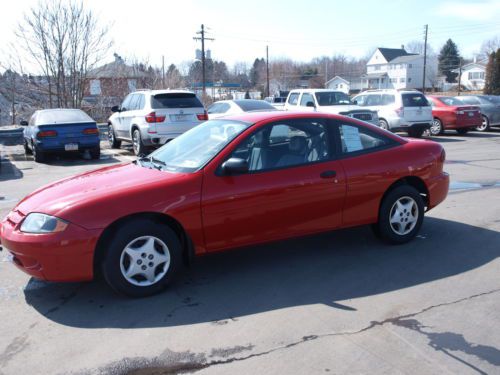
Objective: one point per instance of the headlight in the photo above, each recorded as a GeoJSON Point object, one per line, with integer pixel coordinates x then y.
{"type": "Point", "coordinates": [41, 223]}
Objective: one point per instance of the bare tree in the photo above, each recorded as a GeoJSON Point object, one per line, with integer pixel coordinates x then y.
{"type": "Point", "coordinates": [65, 41]}
{"type": "Point", "coordinates": [489, 46]}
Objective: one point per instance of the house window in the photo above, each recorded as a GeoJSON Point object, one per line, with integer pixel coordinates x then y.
{"type": "Point", "coordinates": [393, 80]}
{"type": "Point", "coordinates": [476, 75]}
{"type": "Point", "coordinates": [341, 85]}
{"type": "Point", "coordinates": [377, 67]}
{"type": "Point", "coordinates": [409, 67]}
{"type": "Point", "coordinates": [95, 87]}
{"type": "Point", "coordinates": [132, 85]}
{"type": "Point", "coordinates": [409, 79]}
{"type": "Point", "coordinates": [401, 80]}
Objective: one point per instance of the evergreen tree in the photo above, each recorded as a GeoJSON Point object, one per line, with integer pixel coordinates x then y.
{"type": "Point", "coordinates": [495, 75]}
{"type": "Point", "coordinates": [489, 74]}
{"type": "Point", "coordinates": [448, 60]}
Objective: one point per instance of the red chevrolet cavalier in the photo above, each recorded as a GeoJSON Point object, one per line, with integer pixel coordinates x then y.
{"type": "Point", "coordinates": [227, 183]}
{"type": "Point", "coordinates": [451, 113]}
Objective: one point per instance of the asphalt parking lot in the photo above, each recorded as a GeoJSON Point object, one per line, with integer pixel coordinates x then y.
{"type": "Point", "coordinates": [337, 303]}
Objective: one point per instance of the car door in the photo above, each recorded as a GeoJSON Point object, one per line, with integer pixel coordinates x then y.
{"type": "Point", "coordinates": [293, 187]}
{"type": "Point", "coordinates": [292, 101]}
{"type": "Point", "coordinates": [306, 99]}
{"type": "Point", "coordinates": [370, 162]}
{"type": "Point", "coordinates": [122, 128]}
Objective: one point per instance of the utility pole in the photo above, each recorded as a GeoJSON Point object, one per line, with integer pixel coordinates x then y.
{"type": "Point", "coordinates": [267, 69]}
{"type": "Point", "coordinates": [203, 38]}
{"type": "Point", "coordinates": [459, 76]}
{"type": "Point", "coordinates": [326, 72]}
{"type": "Point", "coordinates": [163, 72]}
{"type": "Point", "coordinates": [426, 29]}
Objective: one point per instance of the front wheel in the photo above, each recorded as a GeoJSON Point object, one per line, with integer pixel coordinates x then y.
{"type": "Point", "coordinates": [401, 215]}
{"type": "Point", "coordinates": [113, 142]}
{"type": "Point", "coordinates": [485, 124]}
{"type": "Point", "coordinates": [142, 258]}
{"type": "Point", "coordinates": [27, 148]}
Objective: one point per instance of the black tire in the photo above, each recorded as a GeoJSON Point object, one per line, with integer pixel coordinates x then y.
{"type": "Point", "coordinates": [436, 127]}
{"type": "Point", "coordinates": [383, 124]}
{"type": "Point", "coordinates": [27, 148]}
{"type": "Point", "coordinates": [485, 125]}
{"type": "Point", "coordinates": [95, 153]}
{"type": "Point", "coordinates": [462, 131]}
{"type": "Point", "coordinates": [137, 145]}
{"type": "Point", "coordinates": [126, 235]}
{"type": "Point", "coordinates": [38, 155]}
{"type": "Point", "coordinates": [389, 207]}
{"type": "Point", "coordinates": [113, 142]}
{"type": "Point", "coordinates": [415, 133]}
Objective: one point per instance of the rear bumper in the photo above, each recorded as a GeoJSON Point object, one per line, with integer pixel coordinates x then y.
{"type": "Point", "coordinates": [460, 124]}
{"type": "Point", "coordinates": [59, 145]}
{"type": "Point", "coordinates": [405, 126]}
{"type": "Point", "coordinates": [438, 189]}
{"type": "Point", "coordinates": [64, 256]}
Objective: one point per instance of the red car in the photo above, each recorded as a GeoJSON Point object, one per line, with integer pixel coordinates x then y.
{"type": "Point", "coordinates": [227, 183]}
{"type": "Point", "coordinates": [450, 113]}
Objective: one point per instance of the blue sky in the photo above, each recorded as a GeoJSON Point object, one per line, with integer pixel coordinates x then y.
{"type": "Point", "coordinates": [301, 30]}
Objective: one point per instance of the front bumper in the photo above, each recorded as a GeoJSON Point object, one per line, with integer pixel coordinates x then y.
{"type": "Point", "coordinates": [63, 256]}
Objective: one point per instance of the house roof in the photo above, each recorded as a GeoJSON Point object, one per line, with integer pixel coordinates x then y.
{"type": "Point", "coordinates": [116, 69]}
{"type": "Point", "coordinates": [472, 65]}
{"type": "Point", "coordinates": [392, 53]}
{"type": "Point", "coordinates": [404, 59]}
{"type": "Point", "coordinates": [338, 78]}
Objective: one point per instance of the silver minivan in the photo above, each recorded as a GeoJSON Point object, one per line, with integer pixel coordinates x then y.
{"type": "Point", "coordinates": [151, 118]}
{"type": "Point", "coordinates": [399, 110]}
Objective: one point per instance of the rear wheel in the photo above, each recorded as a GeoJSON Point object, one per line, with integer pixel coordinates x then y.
{"type": "Point", "coordinates": [95, 153]}
{"type": "Point", "coordinates": [142, 258]}
{"type": "Point", "coordinates": [38, 155]}
{"type": "Point", "coordinates": [139, 147]}
{"type": "Point", "coordinates": [415, 133]}
{"type": "Point", "coordinates": [113, 142]}
{"type": "Point", "coordinates": [401, 215]}
{"type": "Point", "coordinates": [383, 124]}
{"type": "Point", "coordinates": [485, 124]}
{"type": "Point", "coordinates": [462, 131]}
{"type": "Point", "coordinates": [436, 127]}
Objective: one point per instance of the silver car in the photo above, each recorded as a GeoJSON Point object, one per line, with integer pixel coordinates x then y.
{"type": "Point", "coordinates": [151, 118]}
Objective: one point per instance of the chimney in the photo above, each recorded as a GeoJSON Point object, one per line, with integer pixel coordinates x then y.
{"type": "Point", "coordinates": [475, 58]}
{"type": "Point", "coordinates": [402, 46]}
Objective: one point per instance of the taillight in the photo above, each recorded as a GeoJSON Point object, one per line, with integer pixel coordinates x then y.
{"type": "Point", "coordinates": [202, 116]}
{"type": "Point", "coordinates": [442, 157]}
{"type": "Point", "coordinates": [46, 133]}
{"type": "Point", "coordinates": [152, 118]}
{"type": "Point", "coordinates": [90, 131]}
{"type": "Point", "coordinates": [400, 111]}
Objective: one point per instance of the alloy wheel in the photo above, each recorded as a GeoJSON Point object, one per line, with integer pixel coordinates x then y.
{"type": "Point", "coordinates": [403, 215]}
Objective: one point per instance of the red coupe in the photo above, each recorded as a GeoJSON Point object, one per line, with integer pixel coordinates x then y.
{"type": "Point", "coordinates": [451, 113]}
{"type": "Point", "coordinates": [227, 183]}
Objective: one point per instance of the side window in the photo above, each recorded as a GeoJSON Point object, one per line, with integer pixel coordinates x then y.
{"type": "Point", "coordinates": [126, 103]}
{"type": "Point", "coordinates": [224, 107]}
{"type": "Point", "coordinates": [361, 100]}
{"type": "Point", "coordinates": [470, 100]}
{"type": "Point", "coordinates": [32, 120]}
{"type": "Point", "coordinates": [284, 145]}
{"type": "Point", "coordinates": [354, 139]}
{"type": "Point", "coordinates": [373, 100]}
{"type": "Point", "coordinates": [140, 102]}
{"type": "Point", "coordinates": [306, 98]}
{"type": "Point", "coordinates": [293, 98]}
{"type": "Point", "coordinates": [388, 99]}
{"type": "Point", "coordinates": [214, 108]}
{"type": "Point", "coordinates": [134, 102]}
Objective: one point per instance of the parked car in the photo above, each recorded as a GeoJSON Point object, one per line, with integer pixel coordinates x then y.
{"type": "Point", "coordinates": [51, 131]}
{"type": "Point", "coordinates": [399, 110]}
{"type": "Point", "coordinates": [328, 101]}
{"type": "Point", "coordinates": [232, 182]}
{"type": "Point", "coordinates": [450, 113]}
{"type": "Point", "coordinates": [151, 118]}
{"type": "Point", "coordinates": [490, 109]}
{"type": "Point", "coordinates": [234, 107]}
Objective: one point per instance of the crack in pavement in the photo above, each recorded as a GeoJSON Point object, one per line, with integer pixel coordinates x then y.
{"type": "Point", "coordinates": [348, 333]}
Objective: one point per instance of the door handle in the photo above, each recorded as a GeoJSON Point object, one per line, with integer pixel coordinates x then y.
{"type": "Point", "coordinates": [328, 174]}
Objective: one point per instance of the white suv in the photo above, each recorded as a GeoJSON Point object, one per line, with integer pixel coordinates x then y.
{"type": "Point", "coordinates": [399, 110]}
{"type": "Point", "coordinates": [324, 100]}
{"type": "Point", "coordinates": [151, 118]}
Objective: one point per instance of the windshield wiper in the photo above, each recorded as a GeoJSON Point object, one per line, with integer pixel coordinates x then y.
{"type": "Point", "coordinates": [157, 163]}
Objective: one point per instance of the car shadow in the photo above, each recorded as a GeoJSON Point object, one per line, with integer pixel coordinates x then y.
{"type": "Point", "coordinates": [325, 269]}
{"type": "Point", "coordinates": [8, 170]}
{"type": "Point", "coordinates": [445, 138]}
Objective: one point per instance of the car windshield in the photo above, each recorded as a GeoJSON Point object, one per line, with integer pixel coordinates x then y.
{"type": "Point", "coordinates": [193, 149]}
{"type": "Point", "coordinates": [450, 101]}
{"type": "Point", "coordinates": [62, 116]}
{"type": "Point", "coordinates": [332, 98]}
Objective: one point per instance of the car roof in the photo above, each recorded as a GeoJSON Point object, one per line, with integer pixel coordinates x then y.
{"type": "Point", "coordinates": [315, 90]}
{"type": "Point", "coordinates": [167, 91]}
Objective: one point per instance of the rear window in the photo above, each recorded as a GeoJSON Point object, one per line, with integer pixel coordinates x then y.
{"type": "Point", "coordinates": [253, 105]}
{"type": "Point", "coordinates": [175, 100]}
{"type": "Point", "coordinates": [62, 116]}
{"type": "Point", "coordinates": [450, 101]}
{"type": "Point", "coordinates": [414, 100]}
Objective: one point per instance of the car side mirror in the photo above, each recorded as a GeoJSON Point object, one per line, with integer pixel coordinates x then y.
{"type": "Point", "coordinates": [23, 123]}
{"type": "Point", "coordinates": [115, 108]}
{"type": "Point", "coordinates": [355, 102]}
{"type": "Point", "coordinates": [310, 104]}
{"type": "Point", "coordinates": [234, 166]}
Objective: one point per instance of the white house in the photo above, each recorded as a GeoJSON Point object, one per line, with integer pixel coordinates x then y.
{"type": "Point", "coordinates": [393, 68]}
{"type": "Point", "coordinates": [339, 84]}
{"type": "Point", "coordinates": [473, 75]}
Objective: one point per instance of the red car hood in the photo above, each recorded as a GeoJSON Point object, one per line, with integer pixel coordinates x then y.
{"type": "Point", "coordinates": [60, 196]}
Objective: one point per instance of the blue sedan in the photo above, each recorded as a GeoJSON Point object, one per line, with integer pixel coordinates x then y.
{"type": "Point", "coordinates": [60, 130]}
